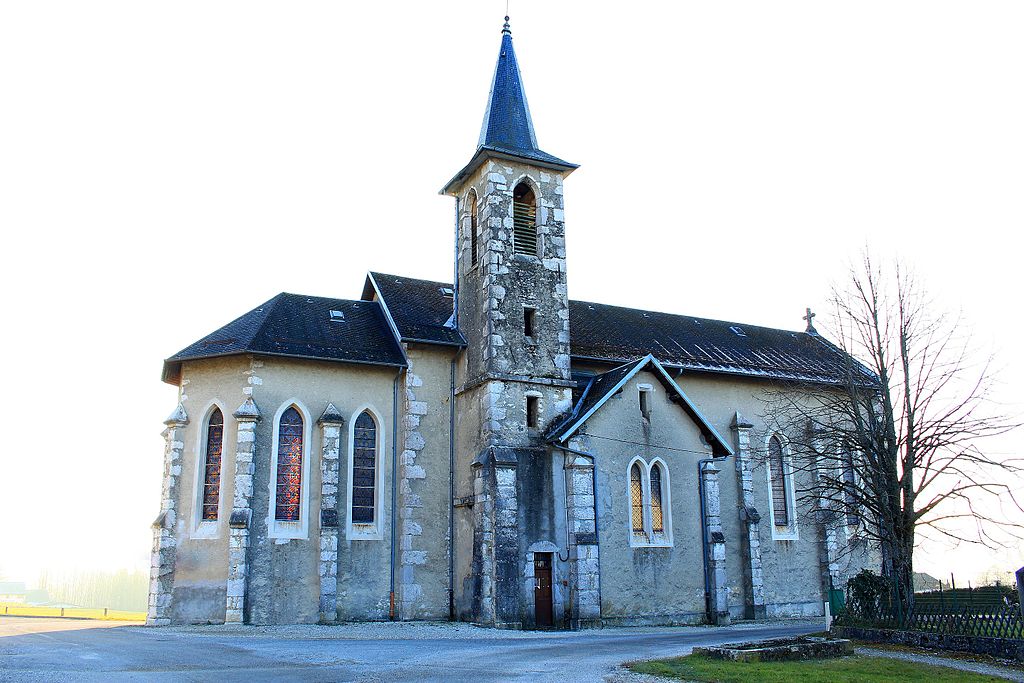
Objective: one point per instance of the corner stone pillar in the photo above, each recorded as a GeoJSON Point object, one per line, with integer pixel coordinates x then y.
{"type": "Point", "coordinates": [330, 425]}
{"type": "Point", "coordinates": [718, 600]}
{"type": "Point", "coordinates": [752, 575]}
{"type": "Point", "coordinates": [828, 517]}
{"type": "Point", "coordinates": [506, 546]}
{"type": "Point", "coordinates": [584, 565]}
{"type": "Point", "coordinates": [161, 573]}
{"type": "Point", "coordinates": [247, 416]}
{"type": "Point", "coordinates": [496, 538]}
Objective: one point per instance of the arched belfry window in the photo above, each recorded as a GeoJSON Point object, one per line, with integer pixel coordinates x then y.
{"type": "Point", "coordinates": [211, 466]}
{"type": "Point", "coordinates": [474, 238]}
{"type": "Point", "coordinates": [657, 512]}
{"type": "Point", "coordinates": [288, 499]}
{"type": "Point", "coordinates": [364, 469]}
{"type": "Point", "coordinates": [780, 489]}
{"type": "Point", "coordinates": [524, 216]}
{"type": "Point", "coordinates": [636, 498]}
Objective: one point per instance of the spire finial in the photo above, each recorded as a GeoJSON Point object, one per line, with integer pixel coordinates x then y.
{"type": "Point", "coordinates": [506, 30]}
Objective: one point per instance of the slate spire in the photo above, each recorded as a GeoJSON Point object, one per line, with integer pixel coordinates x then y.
{"type": "Point", "coordinates": [507, 123]}
{"type": "Point", "coordinates": [507, 130]}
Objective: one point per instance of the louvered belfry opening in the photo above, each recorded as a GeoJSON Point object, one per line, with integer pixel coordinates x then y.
{"type": "Point", "coordinates": [524, 216]}
{"type": "Point", "coordinates": [780, 501]}
{"type": "Point", "coordinates": [473, 239]}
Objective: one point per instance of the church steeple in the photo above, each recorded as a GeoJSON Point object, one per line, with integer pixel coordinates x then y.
{"type": "Point", "coordinates": [507, 131]}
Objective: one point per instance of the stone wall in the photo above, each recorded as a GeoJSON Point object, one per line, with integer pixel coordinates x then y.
{"type": "Point", "coordinates": [1004, 648]}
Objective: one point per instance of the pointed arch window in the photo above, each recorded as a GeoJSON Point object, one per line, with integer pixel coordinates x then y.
{"type": "Point", "coordinates": [211, 466]}
{"type": "Point", "coordinates": [364, 470]}
{"type": "Point", "coordinates": [850, 486]}
{"type": "Point", "coordinates": [288, 499]}
{"type": "Point", "coordinates": [649, 504]}
{"type": "Point", "coordinates": [636, 498]}
{"type": "Point", "coordinates": [780, 482]}
{"type": "Point", "coordinates": [657, 515]}
{"type": "Point", "coordinates": [524, 218]}
{"type": "Point", "coordinates": [473, 228]}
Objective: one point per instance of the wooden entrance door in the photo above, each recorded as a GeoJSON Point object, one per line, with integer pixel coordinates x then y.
{"type": "Point", "coordinates": [542, 591]}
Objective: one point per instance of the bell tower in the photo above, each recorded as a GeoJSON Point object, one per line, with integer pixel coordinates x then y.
{"type": "Point", "coordinates": [512, 306]}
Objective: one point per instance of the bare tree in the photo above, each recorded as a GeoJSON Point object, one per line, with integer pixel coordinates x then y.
{"type": "Point", "coordinates": [894, 449]}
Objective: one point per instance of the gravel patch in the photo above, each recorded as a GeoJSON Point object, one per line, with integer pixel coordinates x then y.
{"type": "Point", "coordinates": [948, 662]}
{"type": "Point", "coordinates": [421, 630]}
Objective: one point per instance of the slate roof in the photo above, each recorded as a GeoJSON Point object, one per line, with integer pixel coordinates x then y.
{"type": "Point", "coordinates": [508, 127]}
{"type": "Point", "coordinates": [421, 312]}
{"type": "Point", "coordinates": [300, 327]}
{"type": "Point", "coordinates": [615, 335]}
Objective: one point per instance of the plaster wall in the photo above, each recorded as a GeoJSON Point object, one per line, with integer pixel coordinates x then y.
{"type": "Point", "coordinates": [201, 563]}
{"type": "Point", "coordinates": [283, 582]}
{"type": "Point", "coordinates": [424, 484]}
{"type": "Point", "coordinates": [647, 584]}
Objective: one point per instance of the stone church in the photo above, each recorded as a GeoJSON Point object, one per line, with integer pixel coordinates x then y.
{"type": "Point", "coordinates": [489, 450]}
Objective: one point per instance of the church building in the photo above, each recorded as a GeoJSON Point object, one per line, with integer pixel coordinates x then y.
{"type": "Point", "coordinates": [490, 450]}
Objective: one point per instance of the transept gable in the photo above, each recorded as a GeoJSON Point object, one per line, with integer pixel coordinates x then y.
{"type": "Point", "coordinates": [603, 387]}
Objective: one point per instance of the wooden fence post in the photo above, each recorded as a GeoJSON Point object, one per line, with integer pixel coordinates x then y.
{"type": "Point", "coordinates": [1020, 590]}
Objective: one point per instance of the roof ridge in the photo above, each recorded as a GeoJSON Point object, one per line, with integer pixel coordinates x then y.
{"type": "Point", "coordinates": [695, 317]}
{"type": "Point", "coordinates": [443, 283]}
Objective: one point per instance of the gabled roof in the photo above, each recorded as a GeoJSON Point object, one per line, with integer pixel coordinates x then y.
{"type": "Point", "coordinates": [507, 130]}
{"type": "Point", "coordinates": [604, 386]}
{"type": "Point", "coordinates": [300, 327]}
{"type": "Point", "coordinates": [420, 309]}
{"type": "Point", "coordinates": [616, 335]}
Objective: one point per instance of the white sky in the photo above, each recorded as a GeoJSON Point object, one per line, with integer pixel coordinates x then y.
{"type": "Point", "coordinates": [165, 167]}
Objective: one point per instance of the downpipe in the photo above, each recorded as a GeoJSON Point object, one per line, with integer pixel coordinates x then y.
{"type": "Point", "coordinates": [394, 489]}
{"type": "Point", "coordinates": [704, 537]}
{"type": "Point", "coordinates": [451, 495]}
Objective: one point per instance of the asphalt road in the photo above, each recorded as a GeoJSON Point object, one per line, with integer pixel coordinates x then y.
{"type": "Point", "coordinates": [70, 650]}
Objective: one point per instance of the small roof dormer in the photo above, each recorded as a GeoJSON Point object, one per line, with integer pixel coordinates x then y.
{"type": "Point", "coordinates": [507, 131]}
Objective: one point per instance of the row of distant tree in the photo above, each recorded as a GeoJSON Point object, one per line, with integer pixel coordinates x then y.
{"type": "Point", "coordinates": [121, 590]}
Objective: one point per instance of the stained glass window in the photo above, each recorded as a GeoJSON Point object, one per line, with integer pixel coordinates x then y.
{"type": "Point", "coordinates": [777, 471]}
{"type": "Point", "coordinates": [289, 466]}
{"type": "Point", "coordinates": [657, 518]}
{"type": "Point", "coordinates": [364, 469]}
{"type": "Point", "coordinates": [636, 498]}
{"type": "Point", "coordinates": [211, 468]}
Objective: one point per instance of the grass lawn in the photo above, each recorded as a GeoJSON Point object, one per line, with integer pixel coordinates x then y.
{"type": "Point", "coordinates": [854, 669]}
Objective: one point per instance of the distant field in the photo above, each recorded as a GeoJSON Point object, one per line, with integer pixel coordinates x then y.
{"type": "Point", "coordinates": [18, 610]}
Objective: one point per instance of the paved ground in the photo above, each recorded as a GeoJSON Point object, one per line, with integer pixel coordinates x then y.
{"type": "Point", "coordinates": [63, 650]}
